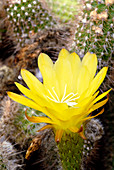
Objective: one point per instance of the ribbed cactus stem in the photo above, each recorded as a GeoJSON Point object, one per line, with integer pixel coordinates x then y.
{"type": "Point", "coordinates": [71, 151]}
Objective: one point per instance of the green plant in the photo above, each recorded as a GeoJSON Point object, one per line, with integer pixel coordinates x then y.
{"type": "Point", "coordinates": [27, 18]}
{"type": "Point", "coordinates": [70, 150]}
{"type": "Point", "coordinates": [77, 153]}
{"type": "Point", "coordinates": [94, 30]}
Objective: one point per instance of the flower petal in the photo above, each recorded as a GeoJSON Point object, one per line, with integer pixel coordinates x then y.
{"type": "Point", "coordinates": [32, 82]}
{"type": "Point", "coordinates": [64, 74]}
{"type": "Point", "coordinates": [74, 129]}
{"type": "Point", "coordinates": [63, 54]}
{"type": "Point", "coordinates": [49, 76]}
{"type": "Point", "coordinates": [77, 130]}
{"type": "Point", "coordinates": [90, 61]}
{"type": "Point", "coordinates": [41, 119]}
{"type": "Point", "coordinates": [23, 100]}
{"type": "Point", "coordinates": [82, 135]}
{"type": "Point", "coordinates": [101, 96]}
{"type": "Point", "coordinates": [75, 66]}
{"type": "Point", "coordinates": [90, 117]}
{"type": "Point", "coordinates": [98, 105]}
{"type": "Point", "coordinates": [58, 113]}
{"type": "Point", "coordinates": [96, 82]}
{"type": "Point", "coordinates": [58, 135]}
{"type": "Point", "coordinates": [75, 60]}
{"type": "Point", "coordinates": [83, 80]}
{"type": "Point", "coordinates": [45, 127]}
{"type": "Point", "coordinates": [27, 102]}
{"type": "Point", "coordinates": [40, 101]}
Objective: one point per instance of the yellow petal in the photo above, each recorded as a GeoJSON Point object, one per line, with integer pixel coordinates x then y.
{"type": "Point", "coordinates": [90, 117]}
{"type": "Point", "coordinates": [83, 80]}
{"type": "Point", "coordinates": [74, 129]}
{"type": "Point", "coordinates": [75, 59]}
{"type": "Point", "coordinates": [39, 119]}
{"type": "Point", "coordinates": [59, 114]}
{"type": "Point", "coordinates": [23, 100]}
{"type": "Point", "coordinates": [77, 130]}
{"type": "Point", "coordinates": [45, 127]}
{"type": "Point", "coordinates": [58, 135]}
{"type": "Point", "coordinates": [90, 61]}
{"type": "Point", "coordinates": [49, 76]}
{"type": "Point", "coordinates": [96, 82]}
{"type": "Point", "coordinates": [82, 110]}
{"type": "Point", "coordinates": [98, 105]}
{"type": "Point", "coordinates": [82, 135]}
{"type": "Point", "coordinates": [75, 66]}
{"type": "Point", "coordinates": [27, 102]}
{"type": "Point", "coordinates": [32, 82]}
{"type": "Point", "coordinates": [40, 101]}
{"type": "Point", "coordinates": [64, 75]}
{"type": "Point", "coordinates": [46, 66]}
{"type": "Point", "coordinates": [63, 54]}
{"type": "Point", "coordinates": [85, 95]}
{"type": "Point", "coordinates": [101, 96]}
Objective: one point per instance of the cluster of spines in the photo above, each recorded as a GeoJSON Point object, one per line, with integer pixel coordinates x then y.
{"type": "Point", "coordinates": [70, 150]}
{"type": "Point", "coordinates": [10, 158]}
{"type": "Point", "coordinates": [27, 18]}
{"type": "Point", "coordinates": [15, 125]}
{"type": "Point", "coordinates": [74, 150]}
{"type": "Point", "coordinates": [94, 29]}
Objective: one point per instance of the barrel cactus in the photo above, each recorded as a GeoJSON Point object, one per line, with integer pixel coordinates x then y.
{"type": "Point", "coordinates": [28, 18]}
{"type": "Point", "coordinates": [94, 29]}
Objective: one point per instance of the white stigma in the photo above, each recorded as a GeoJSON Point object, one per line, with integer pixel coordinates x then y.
{"type": "Point", "coordinates": [69, 99]}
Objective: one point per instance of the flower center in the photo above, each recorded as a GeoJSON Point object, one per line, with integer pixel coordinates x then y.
{"type": "Point", "coordinates": [69, 98]}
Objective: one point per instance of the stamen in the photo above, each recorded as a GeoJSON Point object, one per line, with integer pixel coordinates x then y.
{"type": "Point", "coordinates": [68, 96]}
{"type": "Point", "coordinates": [54, 100]}
{"type": "Point", "coordinates": [64, 93]}
{"type": "Point", "coordinates": [71, 103]}
{"type": "Point", "coordinates": [51, 95]}
{"type": "Point", "coordinates": [70, 99]}
{"type": "Point", "coordinates": [55, 94]}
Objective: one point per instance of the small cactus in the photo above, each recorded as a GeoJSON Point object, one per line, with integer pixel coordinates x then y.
{"type": "Point", "coordinates": [94, 33]}
{"type": "Point", "coordinates": [10, 158]}
{"type": "Point", "coordinates": [27, 18]}
{"type": "Point", "coordinates": [94, 29]}
{"type": "Point", "coordinates": [75, 152]}
{"type": "Point", "coordinates": [16, 127]}
{"type": "Point", "coordinates": [70, 150]}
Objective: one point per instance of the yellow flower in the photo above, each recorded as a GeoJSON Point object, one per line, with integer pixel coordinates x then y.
{"type": "Point", "coordinates": [68, 94]}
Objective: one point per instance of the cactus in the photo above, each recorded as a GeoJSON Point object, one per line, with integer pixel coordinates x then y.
{"type": "Point", "coordinates": [70, 150]}
{"type": "Point", "coordinates": [27, 18]}
{"type": "Point", "coordinates": [94, 30]}
{"type": "Point", "coordinates": [64, 10]}
{"type": "Point", "coordinates": [10, 158]}
{"type": "Point", "coordinates": [13, 122]}
{"type": "Point", "coordinates": [76, 153]}
{"type": "Point", "coordinates": [94, 33]}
